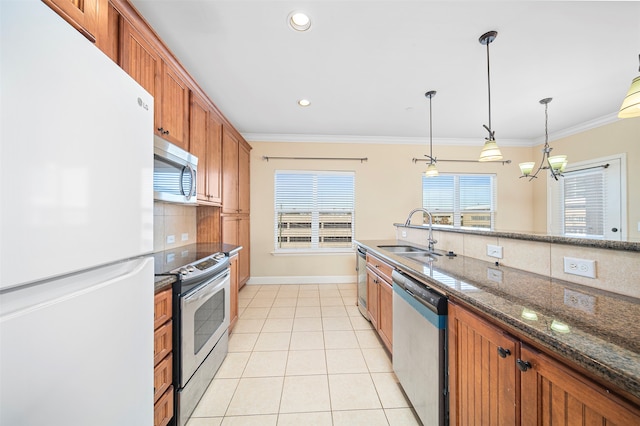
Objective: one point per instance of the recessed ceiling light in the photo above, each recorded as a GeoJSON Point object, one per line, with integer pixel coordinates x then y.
{"type": "Point", "coordinates": [304, 102]}
{"type": "Point", "coordinates": [299, 21]}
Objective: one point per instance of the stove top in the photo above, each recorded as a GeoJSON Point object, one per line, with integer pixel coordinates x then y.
{"type": "Point", "coordinates": [193, 263]}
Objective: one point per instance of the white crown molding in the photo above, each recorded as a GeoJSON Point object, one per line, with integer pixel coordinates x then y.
{"type": "Point", "coordinates": [404, 140]}
{"type": "Point", "coordinates": [386, 140]}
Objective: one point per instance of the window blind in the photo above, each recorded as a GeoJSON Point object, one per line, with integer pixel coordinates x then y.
{"type": "Point", "coordinates": [314, 210]}
{"type": "Point", "coordinates": [460, 200]}
{"type": "Point", "coordinates": [584, 203]}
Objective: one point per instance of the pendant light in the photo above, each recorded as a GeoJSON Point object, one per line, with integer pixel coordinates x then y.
{"type": "Point", "coordinates": [555, 164]}
{"type": "Point", "coordinates": [431, 171]}
{"type": "Point", "coordinates": [490, 151]}
{"type": "Point", "coordinates": [631, 104]}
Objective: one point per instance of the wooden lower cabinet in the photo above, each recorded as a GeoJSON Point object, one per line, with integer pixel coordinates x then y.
{"type": "Point", "coordinates": [373, 301]}
{"type": "Point", "coordinates": [380, 299]}
{"type": "Point", "coordinates": [553, 394]}
{"type": "Point", "coordinates": [163, 358]}
{"type": "Point", "coordinates": [482, 384]}
{"type": "Point", "coordinates": [496, 379]}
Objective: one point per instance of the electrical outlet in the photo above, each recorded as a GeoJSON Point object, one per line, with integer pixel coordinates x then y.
{"type": "Point", "coordinates": [581, 267]}
{"type": "Point", "coordinates": [185, 236]}
{"type": "Point", "coordinates": [494, 275]}
{"type": "Point", "coordinates": [494, 251]}
{"type": "Point", "coordinates": [577, 300]}
{"type": "Point", "coordinates": [171, 239]}
{"type": "Point", "coordinates": [404, 233]}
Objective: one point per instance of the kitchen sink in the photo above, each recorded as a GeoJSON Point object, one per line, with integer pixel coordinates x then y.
{"type": "Point", "coordinates": [403, 249]}
{"type": "Point", "coordinates": [422, 257]}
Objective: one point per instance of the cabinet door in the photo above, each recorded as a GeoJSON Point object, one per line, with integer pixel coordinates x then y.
{"type": "Point", "coordinates": [214, 158]}
{"type": "Point", "coordinates": [81, 14]}
{"type": "Point", "coordinates": [141, 62]}
{"type": "Point", "coordinates": [229, 172]}
{"type": "Point", "coordinates": [174, 107]}
{"type": "Point", "coordinates": [198, 142]}
{"type": "Point", "coordinates": [230, 230]}
{"type": "Point", "coordinates": [482, 384]}
{"type": "Point", "coordinates": [553, 394]}
{"type": "Point", "coordinates": [386, 314]}
{"type": "Point", "coordinates": [233, 314]}
{"type": "Point", "coordinates": [245, 253]}
{"type": "Point", "coordinates": [243, 178]}
{"type": "Point", "coordinates": [373, 284]}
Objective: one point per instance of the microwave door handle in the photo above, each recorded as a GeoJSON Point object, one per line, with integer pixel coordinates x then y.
{"type": "Point", "coordinates": [193, 181]}
{"type": "Point", "coordinates": [181, 181]}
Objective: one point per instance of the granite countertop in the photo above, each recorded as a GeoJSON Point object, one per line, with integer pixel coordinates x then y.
{"type": "Point", "coordinates": [168, 260]}
{"type": "Point", "coordinates": [595, 329]}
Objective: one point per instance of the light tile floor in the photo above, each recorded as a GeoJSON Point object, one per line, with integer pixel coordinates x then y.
{"type": "Point", "coordinates": [303, 355]}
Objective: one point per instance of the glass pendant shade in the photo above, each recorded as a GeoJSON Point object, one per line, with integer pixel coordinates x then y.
{"type": "Point", "coordinates": [527, 168]}
{"type": "Point", "coordinates": [557, 162]}
{"type": "Point", "coordinates": [490, 152]}
{"type": "Point", "coordinates": [431, 171]}
{"type": "Point", "coordinates": [631, 103]}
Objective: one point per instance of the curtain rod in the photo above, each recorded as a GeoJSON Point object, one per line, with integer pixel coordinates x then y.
{"type": "Point", "coordinates": [360, 159]}
{"type": "Point", "coordinates": [604, 166]}
{"type": "Point", "coordinates": [415, 160]}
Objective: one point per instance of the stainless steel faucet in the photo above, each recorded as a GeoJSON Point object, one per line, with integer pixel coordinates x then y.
{"type": "Point", "coordinates": [431, 241]}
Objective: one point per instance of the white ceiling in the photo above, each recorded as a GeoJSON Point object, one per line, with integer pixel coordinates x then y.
{"type": "Point", "coordinates": [365, 65]}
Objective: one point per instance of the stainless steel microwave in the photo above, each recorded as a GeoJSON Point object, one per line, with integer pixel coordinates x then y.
{"type": "Point", "coordinates": [174, 173]}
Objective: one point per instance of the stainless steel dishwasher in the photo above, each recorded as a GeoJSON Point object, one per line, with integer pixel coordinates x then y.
{"type": "Point", "coordinates": [361, 270]}
{"type": "Point", "coordinates": [419, 338]}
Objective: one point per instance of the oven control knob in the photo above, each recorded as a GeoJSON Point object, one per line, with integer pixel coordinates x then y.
{"type": "Point", "coordinates": [190, 268]}
{"type": "Point", "coordinates": [183, 271]}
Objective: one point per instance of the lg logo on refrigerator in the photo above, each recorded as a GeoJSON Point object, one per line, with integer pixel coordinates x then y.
{"type": "Point", "coordinates": [142, 104]}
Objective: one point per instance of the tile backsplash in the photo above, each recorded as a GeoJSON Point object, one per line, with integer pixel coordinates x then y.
{"type": "Point", "coordinates": [617, 271]}
{"type": "Point", "coordinates": [174, 225]}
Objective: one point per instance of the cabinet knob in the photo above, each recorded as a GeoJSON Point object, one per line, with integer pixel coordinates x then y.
{"type": "Point", "coordinates": [161, 130]}
{"type": "Point", "coordinates": [523, 365]}
{"type": "Point", "coordinates": [503, 353]}
{"type": "Point", "coordinates": [166, 132]}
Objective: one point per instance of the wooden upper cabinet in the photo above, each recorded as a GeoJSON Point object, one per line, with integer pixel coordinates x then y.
{"type": "Point", "coordinates": [553, 394]}
{"type": "Point", "coordinates": [81, 14]}
{"type": "Point", "coordinates": [214, 158]}
{"type": "Point", "coordinates": [243, 178]}
{"type": "Point", "coordinates": [482, 372]}
{"type": "Point", "coordinates": [170, 92]}
{"type": "Point", "coordinates": [198, 118]}
{"type": "Point", "coordinates": [141, 61]}
{"type": "Point", "coordinates": [229, 172]}
{"type": "Point", "coordinates": [174, 107]}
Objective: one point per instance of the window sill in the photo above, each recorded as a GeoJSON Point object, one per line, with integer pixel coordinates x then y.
{"type": "Point", "coordinates": [311, 252]}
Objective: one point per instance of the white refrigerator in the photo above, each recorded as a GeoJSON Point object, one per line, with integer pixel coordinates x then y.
{"type": "Point", "coordinates": [76, 229]}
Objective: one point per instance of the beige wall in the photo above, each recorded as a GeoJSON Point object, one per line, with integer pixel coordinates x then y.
{"type": "Point", "coordinates": [388, 186]}
{"type": "Point", "coordinates": [623, 136]}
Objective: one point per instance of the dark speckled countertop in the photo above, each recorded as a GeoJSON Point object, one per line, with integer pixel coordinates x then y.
{"type": "Point", "coordinates": [174, 258]}
{"type": "Point", "coordinates": [597, 330]}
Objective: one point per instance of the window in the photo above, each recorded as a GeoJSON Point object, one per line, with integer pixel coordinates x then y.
{"type": "Point", "coordinates": [314, 210]}
{"type": "Point", "coordinates": [588, 201]}
{"type": "Point", "coordinates": [460, 200]}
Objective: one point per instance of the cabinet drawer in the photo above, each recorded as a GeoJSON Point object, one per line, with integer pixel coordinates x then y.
{"type": "Point", "coordinates": [162, 308]}
{"type": "Point", "coordinates": [162, 377]}
{"type": "Point", "coordinates": [162, 342]}
{"type": "Point", "coordinates": [381, 268]}
{"type": "Point", "coordinates": [163, 409]}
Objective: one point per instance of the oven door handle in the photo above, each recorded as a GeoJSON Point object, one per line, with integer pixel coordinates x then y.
{"type": "Point", "coordinates": [206, 288]}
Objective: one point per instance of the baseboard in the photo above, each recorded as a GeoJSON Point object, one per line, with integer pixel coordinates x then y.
{"type": "Point", "coordinates": [333, 279]}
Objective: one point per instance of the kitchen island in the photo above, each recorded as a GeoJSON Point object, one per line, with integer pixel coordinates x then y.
{"type": "Point", "coordinates": [594, 332]}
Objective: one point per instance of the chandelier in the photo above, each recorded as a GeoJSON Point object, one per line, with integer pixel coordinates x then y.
{"type": "Point", "coordinates": [555, 164]}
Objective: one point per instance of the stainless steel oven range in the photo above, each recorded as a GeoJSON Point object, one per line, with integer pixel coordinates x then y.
{"type": "Point", "coordinates": [201, 303]}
